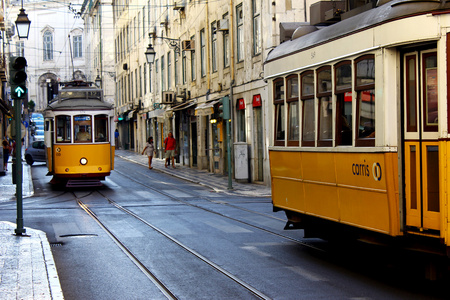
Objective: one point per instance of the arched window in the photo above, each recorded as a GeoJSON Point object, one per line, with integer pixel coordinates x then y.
{"type": "Point", "coordinates": [48, 45]}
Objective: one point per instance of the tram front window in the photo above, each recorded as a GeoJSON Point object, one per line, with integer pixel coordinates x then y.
{"type": "Point", "coordinates": [101, 128]}
{"type": "Point", "coordinates": [83, 128]}
{"type": "Point", "coordinates": [63, 129]}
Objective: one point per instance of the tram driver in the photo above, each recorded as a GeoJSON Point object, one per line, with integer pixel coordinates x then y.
{"type": "Point", "coordinates": [83, 135]}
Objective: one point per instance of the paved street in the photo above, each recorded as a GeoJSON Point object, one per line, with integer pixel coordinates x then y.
{"type": "Point", "coordinates": [147, 234]}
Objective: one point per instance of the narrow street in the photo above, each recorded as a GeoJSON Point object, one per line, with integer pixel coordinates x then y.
{"type": "Point", "coordinates": [148, 235]}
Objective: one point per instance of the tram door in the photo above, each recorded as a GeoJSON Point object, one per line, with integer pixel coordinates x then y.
{"type": "Point", "coordinates": [421, 140]}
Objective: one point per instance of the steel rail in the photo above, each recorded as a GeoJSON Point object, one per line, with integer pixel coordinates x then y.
{"type": "Point", "coordinates": [134, 259]}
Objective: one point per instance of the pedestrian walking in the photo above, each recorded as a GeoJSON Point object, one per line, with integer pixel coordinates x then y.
{"type": "Point", "coordinates": [116, 137]}
{"type": "Point", "coordinates": [149, 150]}
{"type": "Point", "coordinates": [169, 149]}
{"type": "Point", "coordinates": [6, 152]}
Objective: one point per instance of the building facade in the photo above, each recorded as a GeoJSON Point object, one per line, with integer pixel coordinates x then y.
{"type": "Point", "coordinates": [205, 51]}
{"type": "Point", "coordinates": [54, 49]}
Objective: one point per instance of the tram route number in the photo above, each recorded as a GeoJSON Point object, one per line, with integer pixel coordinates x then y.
{"type": "Point", "coordinates": [365, 170]}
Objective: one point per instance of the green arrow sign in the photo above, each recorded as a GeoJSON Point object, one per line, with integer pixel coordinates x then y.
{"type": "Point", "coordinates": [19, 91]}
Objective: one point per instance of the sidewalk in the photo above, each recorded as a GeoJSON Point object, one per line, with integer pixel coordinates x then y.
{"type": "Point", "coordinates": [217, 182]}
{"type": "Point", "coordinates": [27, 269]}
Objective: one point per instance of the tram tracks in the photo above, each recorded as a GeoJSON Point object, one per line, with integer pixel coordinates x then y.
{"type": "Point", "coordinates": [297, 241]}
{"type": "Point", "coordinates": [158, 283]}
{"type": "Point", "coordinates": [154, 278]}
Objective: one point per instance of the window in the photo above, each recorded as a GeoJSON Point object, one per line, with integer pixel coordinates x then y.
{"type": "Point", "coordinates": [156, 76]}
{"type": "Point", "coordinates": [203, 53]}
{"type": "Point", "coordinates": [20, 48]}
{"type": "Point", "coordinates": [169, 69]}
{"type": "Point", "coordinates": [193, 74]}
{"type": "Point", "coordinates": [82, 125]}
{"type": "Point", "coordinates": [293, 110]}
{"type": "Point", "coordinates": [63, 129]}
{"type": "Point", "coordinates": [240, 120]}
{"type": "Point", "coordinates": [101, 128]}
{"type": "Point", "coordinates": [226, 45]}
{"type": "Point", "coordinates": [48, 45]}
{"type": "Point", "coordinates": [309, 116]}
{"type": "Point", "coordinates": [163, 82]}
{"type": "Point", "coordinates": [280, 119]}
{"type": "Point", "coordinates": [150, 78]}
{"type": "Point", "coordinates": [365, 100]}
{"type": "Point", "coordinates": [214, 46]}
{"type": "Point", "coordinates": [240, 33]}
{"type": "Point", "coordinates": [324, 91]}
{"type": "Point", "coordinates": [256, 27]}
{"type": "Point", "coordinates": [430, 91]}
{"type": "Point", "coordinates": [78, 46]}
{"type": "Point", "coordinates": [145, 78]}
{"type": "Point", "coordinates": [140, 81]}
{"type": "Point", "coordinates": [183, 67]}
{"type": "Point", "coordinates": [176, 67]}
{"type": "Point", "coordinates": [343, 91]}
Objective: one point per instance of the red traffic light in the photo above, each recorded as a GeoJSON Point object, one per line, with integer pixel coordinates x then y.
{"type": "Point", "coordinates": [19, 63]}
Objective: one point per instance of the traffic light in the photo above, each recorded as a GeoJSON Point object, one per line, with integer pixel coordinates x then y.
{"type": "Point", "coordinates": [18, 77]}
{"type": "Point", "coordinates": [224, 108]}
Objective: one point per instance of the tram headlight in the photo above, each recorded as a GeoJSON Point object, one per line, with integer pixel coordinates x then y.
{"type": "Point", "coordinates": [83, 161]}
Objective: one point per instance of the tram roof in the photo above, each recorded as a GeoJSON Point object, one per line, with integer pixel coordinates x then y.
{"type": "Point", "coordinates": [386, 12]}
{"type": "Point", "coordinates": [85, 98]}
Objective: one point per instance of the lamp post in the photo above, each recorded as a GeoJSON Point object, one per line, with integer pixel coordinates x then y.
{"type": "Point", "coordinates": [23, 29]}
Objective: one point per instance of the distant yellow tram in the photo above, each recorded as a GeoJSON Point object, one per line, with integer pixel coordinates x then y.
{"type": "Point", "coordinates": [361, 117]}
{"type": "Point", "coordinates": [79, 136]}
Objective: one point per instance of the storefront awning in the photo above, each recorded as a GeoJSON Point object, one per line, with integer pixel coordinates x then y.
{"type": "Point", "coordinates": [155, 113]}
{"type": "Point", "coordinates": [184, 105]}
{"type": "Point", "coordinates": [130, 114]}
{"type": "Point", "coordinates": [206, 109]}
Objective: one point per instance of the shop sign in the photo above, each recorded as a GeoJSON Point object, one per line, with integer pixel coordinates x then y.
{"type": "Point", "coordinates": [257, 100]}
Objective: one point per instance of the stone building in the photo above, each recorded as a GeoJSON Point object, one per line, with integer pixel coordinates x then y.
{"type": "Point", "coordinates": [205, 51]}
{"type": "Point", "coordinates": [54, 49]}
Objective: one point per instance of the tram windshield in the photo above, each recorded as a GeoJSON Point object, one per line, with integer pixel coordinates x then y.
{"type": "Point", "coordinates": [101, 128]}
{"type": "Point", "coordinates": [82, 125]}
{"type": "Point", "coordinates": [63, 131]}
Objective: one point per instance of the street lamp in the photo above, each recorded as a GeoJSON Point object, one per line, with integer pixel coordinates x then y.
{"type": "Point", "coordinates": [150, 54]}
{"type": "Point", "coordinates": [23, 24]}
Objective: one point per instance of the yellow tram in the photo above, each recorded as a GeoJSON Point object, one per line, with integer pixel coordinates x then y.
{"type": "Point", "coordinates": [360, 141]}
{"type": "Point", "coordinates": [79, 135]}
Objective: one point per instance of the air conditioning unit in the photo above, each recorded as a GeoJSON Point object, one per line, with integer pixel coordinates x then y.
{"type": "Point", "coordinates": [181, 92]}
{"type": "Point", "coordinates": [168, 97]}
{"type": "Point", "coordinates": [187, 45]}
{"type": "Point", "coordinates": [222, 25]}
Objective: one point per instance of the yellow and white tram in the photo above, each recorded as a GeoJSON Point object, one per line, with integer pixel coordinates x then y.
{"type": "Point", "coordinates": [79, 135]}
{"type": "Point", "coordinates": [361, 120]}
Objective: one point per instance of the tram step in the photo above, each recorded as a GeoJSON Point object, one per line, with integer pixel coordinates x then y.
{"type": "Point", "coordinates": [83, 183]}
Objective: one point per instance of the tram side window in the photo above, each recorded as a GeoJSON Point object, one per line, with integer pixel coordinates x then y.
{"type": "Point", "coordinates": [343, 91]}
{"type": "Point", "coordinates": [365, 100]}
{"type": "Point", "coordinates": [280, 118]}
{"type": "Point", "coordinates": [83, 128]}
{"type": "Point", "coordinates": [293, 110]}
{"type": "Point", "coordinates": [101, 128]}
{"type": "Point", "coordinates": [324, 90]}
{"type": "Point", "coordinates": [63, 129]}
{"type": "Point", "coordinates": [309, 118]}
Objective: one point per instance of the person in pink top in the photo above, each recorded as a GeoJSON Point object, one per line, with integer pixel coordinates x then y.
{"type": "Point", "coordinates": [169, 149]}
